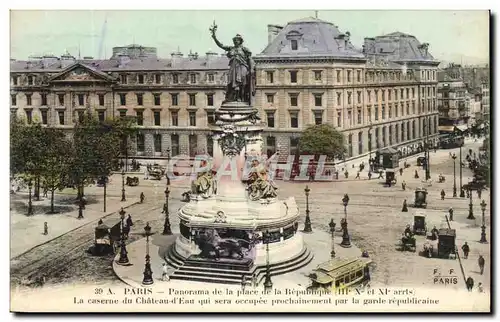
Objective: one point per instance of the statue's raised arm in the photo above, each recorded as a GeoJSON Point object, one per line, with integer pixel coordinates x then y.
{"type": "Point", "coordinates": [213, 30]}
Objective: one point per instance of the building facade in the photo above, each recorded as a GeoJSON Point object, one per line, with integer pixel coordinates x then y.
{"type": "Point", "coordinates": [452, 97]}
{"type": "Point", "coordinates": [310, 73]}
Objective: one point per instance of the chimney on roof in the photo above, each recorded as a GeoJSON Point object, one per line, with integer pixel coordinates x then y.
{"type": "Point", "coordinates": [347, 38]}
{"type": "Point", "coordinates": [88, 57]}
{"type": "Point", "coordinates": [176, 56]}
{"type": "Point", "coordinates": [192, 56]}
{"type": "Point", "coordinates": [272, 32]}
{"type": "Point", "coordinates": [210, 55]}
{"type": "Point", "coordinates": [123, 60]}
{"type": "Point", "coordinates": [369, 45]}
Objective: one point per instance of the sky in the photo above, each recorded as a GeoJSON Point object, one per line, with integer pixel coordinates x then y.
{"type": "Point", "coordinates": [454, 36]}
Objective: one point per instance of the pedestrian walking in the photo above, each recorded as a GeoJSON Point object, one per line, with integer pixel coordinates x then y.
{"type": "Point", "coordinates": [46, 191]}
{"type": "Point", "coordinates": [443, 194]}
{"type": "Point", "coordinates": [46, 229]}
{"type": "Point", "coordinates": [466, 250]}
{"type": "Point", "coordinates": [405, 206]}
{"type": "Point", "coordinates": [357, 176]}
{"type": "Point", "coordinates": [481, 261]}
{"type": "Point", "coordinates": [164, 274]}
{"type": "Point", "coordinates": [400, 171]}
{"type": "Point", "coordinates": [369, 175]}
{"type": "Point", "coordinates": [403, 185]}
{"type": "Point", "coordinates": [130, 223]}
{"type": "Point", "coordinates": [416, 174]}
{"type": "Point", "coordinates": [450, 211]}
{"type": "Point", "coordinates": [480, 288]}
{"type": "Point", "coordinates": [164, 211]}
{"type": "Point", "coordinates": [380, 175]}
{"type": "Point", "coordinates": [142, 197]}
{"type": "Point", "coordinates": [479, 191]}
{"type": "Point", "coordinates": [470, 283]}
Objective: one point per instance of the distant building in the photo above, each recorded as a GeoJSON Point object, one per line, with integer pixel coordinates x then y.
{"type": "Point", "coordinates": [310, 73]}
{"type": "Point", "coordinates": [453, 106]}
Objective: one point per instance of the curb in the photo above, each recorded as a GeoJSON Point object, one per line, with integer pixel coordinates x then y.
{"type": "Point", "coordinates": [69, 231]}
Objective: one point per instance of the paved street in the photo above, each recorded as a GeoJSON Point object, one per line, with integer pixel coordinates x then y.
{"type": "Point", "coordinates": [374, 216]}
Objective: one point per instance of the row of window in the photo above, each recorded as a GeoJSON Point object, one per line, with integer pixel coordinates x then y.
{"type": "Point", "coordinates": [81, 99]}
{"type": "Point", "coordinates": [139, 116]}
{"type": "Point", "coordinates": [140, 79]}
{"type": "Point", "coordinates": [319, 116]}
{"type": "Point", "coordinates": [174, 147]}
{"type": "Point", "coordinates": [157, 78]}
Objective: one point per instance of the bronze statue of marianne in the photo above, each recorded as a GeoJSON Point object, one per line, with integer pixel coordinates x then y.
{"type": "Point", "coordinates": [241, 82]}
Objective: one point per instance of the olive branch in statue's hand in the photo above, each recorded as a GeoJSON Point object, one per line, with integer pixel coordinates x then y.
{"type": "Point", "coordinates": [213, 28]}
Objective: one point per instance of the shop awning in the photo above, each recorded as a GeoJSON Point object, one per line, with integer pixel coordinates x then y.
{"type": "Point", "coordinates": [462, 127]}
{"type": "Point", "coordinates": [446, 128]}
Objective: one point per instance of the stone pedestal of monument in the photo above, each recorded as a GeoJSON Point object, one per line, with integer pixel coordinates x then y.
{"type": "Point", "coordinates": [222, 236]}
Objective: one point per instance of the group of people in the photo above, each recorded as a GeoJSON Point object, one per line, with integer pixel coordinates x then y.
{"type": "Point", "coordinates": [481, 263]}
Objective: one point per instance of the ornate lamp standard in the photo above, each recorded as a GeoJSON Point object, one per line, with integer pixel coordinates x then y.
{"type": "Point", "coordinates": [30, 203]}
{"type": "Point", "coordinates": [346, 240]}
{"type": "Point", "coordinates": [166, 225]}
{"type": "Point", "coordinates": [168, 166]}
{"type": "Point", "coordinates": [307, 224]}
{"type": "Point", "coordinates": [268, 284]}
{"type": "Point", "coordinates": [454, 157]}
{"type": "Point", "coordinates": [332, 231]}
{"type": "Point", "coordinates": [462, 192]}
{"type": "Point", "coordinates": [369, 149]}
{"type": "Point", "coordinates": [483, 226]}
{"type": "Point", "coordinates": [123, 186]}
{"type": "Point", "coordinates": [471, 211]}
{"type": "Point", "coordinates": [148, 273]}
{"type": "Point", "coordinates": [105, 185]}
{"type": "Point", "coordinates": [123, 260]}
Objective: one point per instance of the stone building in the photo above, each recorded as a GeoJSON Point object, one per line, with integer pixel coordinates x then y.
{"type": "Point", "coordinates": [173, 99]}
{"type": "Point", "coordinates": [309, 73]}
{"type": "Point", "coordinates": [452, 99]}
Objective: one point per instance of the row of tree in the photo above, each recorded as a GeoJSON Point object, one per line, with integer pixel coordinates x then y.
{"type": "Point", "coordinates": [56, 158]}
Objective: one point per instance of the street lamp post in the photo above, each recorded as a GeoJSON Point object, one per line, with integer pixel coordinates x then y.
{"type": "Point", "coordinates": [428, 161]}
{"type": "Point", "coordinates": [30, 203]}
{"type": "Point", "coordinates": [471, 211]}
{"type": "Point", "coordinates": [168, 166]}
{"type": "Point", "coordinates": [462, 192]}
{"type": "Point", "coordinates": [166, 226]}
{"type": "Point", "coordinates": [123, 260]}
{"type": "Point", "coordinates": [346, 240]}
{"type": "Point", "coordinates": [307, 224]}
{"type": "Point", "coordinates": [105, 185]}
{"type": "Point", "coordinates": [483, 226]}
{"type": "Point", "coordinates": [148, 273]}
{"type": "Point", "coordinates": [123, 186]}
{"type": "Point", "coordinates": [332, 231]}
{"type": "Point", "coordinates": [370, 149]}
{"type": "Point", "coordinates": [454, 157]}
{"type": "Point", "coordinates": [268, 284]}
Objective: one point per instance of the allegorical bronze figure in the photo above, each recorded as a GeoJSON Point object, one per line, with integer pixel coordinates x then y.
{"type": "Point", "coordinates": [241, 82]}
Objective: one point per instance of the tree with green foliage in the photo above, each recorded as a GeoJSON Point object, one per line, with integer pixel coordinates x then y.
{"type": "Point", "coordinates": [96, 145]}
{"type": "Point", "coordinates": [322, 139]}
{"type": "Point", "coordinates": [28, 147]}
{"type": "Point", "coordinates": [56, 166]}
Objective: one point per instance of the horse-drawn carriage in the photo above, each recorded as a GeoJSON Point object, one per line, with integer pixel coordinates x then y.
{"type": "Point", "coordinates": [105, 239]}
{"type": "Point", "coordinates": [132, 181]}
{"type": "Point", "coordinates": [408, 242]}
{"type": "Point", "coordinates": [390, 177]}
{"type": "Point", "coordinates": [156, 172]}
{"type": "Point", "coordinates": [443, 247]}
{"type": "Point", "coordinates": [419, 224]}
{"type": "Point", "coordinates": [420, 198]}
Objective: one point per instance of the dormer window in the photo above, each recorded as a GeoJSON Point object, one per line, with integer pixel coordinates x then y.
{"type": "Point", "coordinates": [294, 36]}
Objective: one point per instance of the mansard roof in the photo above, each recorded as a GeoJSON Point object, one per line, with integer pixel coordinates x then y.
{"type": "Point", "coordinates": [399, 47]}
{"type": "Point", "coordinates": [315, 38]}
{"type": "Point", "coordinates": [114, 65]}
